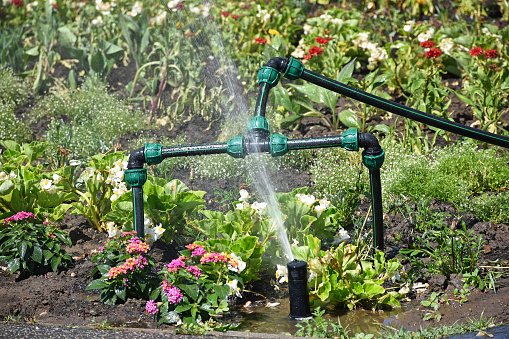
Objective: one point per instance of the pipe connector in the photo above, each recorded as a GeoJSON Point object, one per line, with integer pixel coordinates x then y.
{"type": "Point", "coordinates": [350, 140]}
{"type": "Point", "coordinates": [294, 69]}
{"type": "Point", "coordinates": [234, 147]}
{"type": "Point", "coordinates": [373, 162]}
{"type": "Point", "coordinates": [258, 123]}
{"type": "Point", "coordinates": [278, 145]}
{"type": "Point", "coordinates": [153, 154]}
{"type": "Point", "coordinates": [136, 177]}
{"type": "Point", "coordinates": [268, 75]}
{"type": "Point", "coordinates": [137, 159]}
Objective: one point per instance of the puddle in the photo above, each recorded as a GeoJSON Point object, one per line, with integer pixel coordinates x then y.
{"type": "Point", "coordinates": [262, 319]}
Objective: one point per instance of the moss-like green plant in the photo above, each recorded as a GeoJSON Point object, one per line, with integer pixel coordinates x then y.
{"type": "Point", "coordinates": [13, 93]}
{"type": "Point", "coordinates": [87, 120]}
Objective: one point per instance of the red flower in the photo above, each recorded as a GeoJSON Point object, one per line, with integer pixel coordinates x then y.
{"type": "Point", "coordinates": [492, 66]}
{"type": "Point", "coordinates": [55, 6]}
{"type": "Point", "coordinates": [308, 56]}
{"type": "Point", "coordinates": [180, 6]}
{"type": "Point", "coordinates": [315, 50]}
{"type": "Point", "coordinates": [235, 16]}
{"type": "Point", "coordinates": [491, 54]}
{"type": "Point", "coordinates": [225, 14]}
{"type": "Point", "coordinates": [476, 51]}
{"type": "Point", "coordinates": [261, 41]}
{"type": "Point", "coordinates": [433, 53]}
{"type": "Point", "coordinates": [428, 44]}
{"type": "Point", "coordinates": [190, 34]}
{"type": "Point", "coordinates": [18, 3]}
{"type": "Point", "coordinates": [322, 41]}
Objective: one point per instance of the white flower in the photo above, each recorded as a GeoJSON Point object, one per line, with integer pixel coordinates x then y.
{"type": "Point", "coordinates": [118, 191]}
{"type": "Point", "coordinates": [6, 2]}
{"type": "Point", "coordinates": [298, 53]}
{"type": "Point", "coordinates": [137, 9]}
{"type": "Point", "coordinates": [307, 199]}
{"type": "Point", "coordinates": [12, 175]}
{"type": "Point", "coordinates": [234, 290]}
{"type": "Point", "coordinates": [263, 13]}
{"type": "Point", "coordinates": [159, 230]}
{"type": "Point", "coordinates": [409, 26]}
{"type": "Point", "coordinates": [241, 265]}
{"type": "Point", "coordinates": [426, 35]}
{"type": "Point", "coordinates": [307, 28]}
{"type": "Point", "coordinates": [195, 10]}
{"type": "Point", "coordinates": [337, 21]}
{"type": "Point", "coordinates": [159, 19]}
{"type": "Point", "coordinates": [113, 231]}
{"type": "Point", "coordinates": [295, 242]}
{"type": "Point", "coordinates": [99, 177]}
{"type": "Point", "coordinates": [56, 178]}
{"type": "Point", "coordinates": [341, 236]}
{"type": "Point", "coordinates": [396, 277]}
{"type": "Point", "coordinates": [244, 195]}
{"type": "Point", "coordinates": [282, 274]}
{"type": "Point", "coordinates": [312, 275]}
{"type": "Point", "coordinates": [3, 176]}
{"type": "Point", "coordinates": [172, 4]}
{"type": "Point", "coordinates": [46, 184]}
{"type": "Point", "coordinates": [259, 207]}
{"type": "Point", "coordinates": [446, 45]}
{"type": "Point", "coordinates": [147, 221]}
{"type": "Point", "coordinates": [150, 236]}
{"type": "Point", "coordinates": [88, 173]}
{"type": "Point", "coordinates": [240, 206]}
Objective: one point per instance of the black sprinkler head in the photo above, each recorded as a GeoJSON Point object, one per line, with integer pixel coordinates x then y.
{"type": "Point", "coordinates": [298, 289]}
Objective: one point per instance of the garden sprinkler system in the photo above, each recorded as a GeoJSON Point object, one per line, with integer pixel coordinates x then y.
{"type": "Point", "coordinates": [258, 139]}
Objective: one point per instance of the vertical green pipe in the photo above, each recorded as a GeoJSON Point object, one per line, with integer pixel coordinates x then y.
{"type": "Point", "coordinates": [138, 217]}
{"type": "Point", "coordinates": [378, 217]}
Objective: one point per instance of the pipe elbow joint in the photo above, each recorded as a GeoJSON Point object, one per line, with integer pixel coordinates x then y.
{"type": "Point", "coordinates": [278, 63]}
{"type": "Point", "coordinates": [373, 155]}
{"type": "Point", "coordinates": [137, 159]}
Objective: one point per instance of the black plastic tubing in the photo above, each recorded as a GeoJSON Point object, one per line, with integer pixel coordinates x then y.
{"type": "Point", "coordinates": [404, 111]}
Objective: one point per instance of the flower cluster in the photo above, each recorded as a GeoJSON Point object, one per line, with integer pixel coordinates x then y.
{"type": "Point", "coordinates": [427, 35]}
{"type": "Point", "coordinates": [197, 249]}
{"type": "Point", "coordinates": [259, 207]}
{"type": "Point", "coordinates": [433, 53]}
{"type": "Point", "coordinates": [176, 264]}
{"type": "Point", "coordinates": [136, 246]}
{"type": "Point", "coordinates": [488, 54]}
{"type": "Point", "coordinates": [48, 185]}
{"type": "Point", "coordinates": [19, 216]}
{"type": "Point", "coordinates": [376, 53]}
{"type": "Point", "coordinates": [173, 293]}
{"type": "Point", "coordinates": [151, 307]}
{"type": "Point", "coordinates": [260, 41]}
{"type": "Point", "coordinates": [130, 265]}
{"type": "Point", "coordinates": [322, 41]}
{"type": "Point", "coordinates": [5, 176]}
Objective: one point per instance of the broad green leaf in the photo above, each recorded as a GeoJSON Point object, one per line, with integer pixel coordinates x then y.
{"type": "Point", "coordinates": [22, 248]}
{"type": "Point", "coordinates": [6, 187]}
{"type": "Point", "coordinates": [349, 119]}
{"type": "Point", "coordinates": [37, 254]}
{"type": "Point", "coordinates": [55, 261]}
{"type": "Point", "coordinates": [121, 292]}
{"type": "Point", "coordinates": [13, 265]}
{"type": "Point", "coordinates": [191, 290]}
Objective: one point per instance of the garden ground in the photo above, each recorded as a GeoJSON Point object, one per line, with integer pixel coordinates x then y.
{"type": "Point", "coordinates": [60, 298]}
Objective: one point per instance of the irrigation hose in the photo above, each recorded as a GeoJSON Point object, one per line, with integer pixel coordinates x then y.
{"type": "Point", "coordinates": [404, 111]}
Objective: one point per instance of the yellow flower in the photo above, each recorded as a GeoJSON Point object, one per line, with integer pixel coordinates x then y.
{"type": "Point", "coordinates": [281, 108]}
{"type": "Point", "coordinates": [273, 32]}
{"type": "Point", "coordinates": [179, 25]}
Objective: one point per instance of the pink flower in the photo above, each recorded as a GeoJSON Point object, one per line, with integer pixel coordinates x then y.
{"type": "Point", "coordinates": [174, 295]}
{"type": "Point", "coordinates": [175, 265]}
{"type": "Point", "coordinates": [19, 216]}
{"type": "Point", "coordinates": [194, 270]}
{"type": "Point", "coordinates": [151, 307]}
{"type": "Point", "coordinates": [225, 14]}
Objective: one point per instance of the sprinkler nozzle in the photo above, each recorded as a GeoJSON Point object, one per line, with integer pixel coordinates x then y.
{"type": "Point", "coordinates": [298, 289]}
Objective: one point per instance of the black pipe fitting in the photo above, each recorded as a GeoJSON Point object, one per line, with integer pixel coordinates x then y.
{"type": "Point", "coordinates": [370, 144]}
{"type": "Point", "coordinates": [256, 141]}
{"type": "Point", "coordinates": [278, 63]}
{"type": "Point", "coordinates": [137, 159]}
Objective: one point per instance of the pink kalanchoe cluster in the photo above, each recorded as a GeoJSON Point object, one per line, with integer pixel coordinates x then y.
{"type": "Point", "coordinates": [19, 216]}
{"type": "Point", "coordinates": [174, 294]}
{"type": "Point", "coordinates": [176, 264]}
{"type": "Point", "coordinates": [126, 234]}
{"type": "Point", "coordinates": [194, 270]}
{"type": "Point", "coordinates": [151, 307]}
{"type": "Point", "coordinates": [136, 246]}
{"type": "Point", "coordinates": [197, 249]}
{"type": "Point", "coordinates": [130, 265]}
{"type": "Point", "coordinates": [216, 257]}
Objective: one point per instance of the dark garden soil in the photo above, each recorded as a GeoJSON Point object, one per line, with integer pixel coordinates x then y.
{"type": "Point", "coordinates": [60, 298]}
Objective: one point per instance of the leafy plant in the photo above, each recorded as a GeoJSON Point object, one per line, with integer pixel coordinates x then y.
{"type": "Point", "coordinates": [318, 327]}
{"type": "Point", "coordinates": [26, 243]}
{"type": "Point", "coordinates": [342, 276]}
{"type": "Point", "coordinates": [197, 286]}
{"type": "Point", "coordinates": [125, 268]}
{"type": "Point", "coordinates": [451, 250]}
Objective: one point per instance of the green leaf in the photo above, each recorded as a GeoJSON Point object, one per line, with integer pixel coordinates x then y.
{"type": "Point", "coordinates": [346, 72]}
{"type": "Point", "coordinates": [222, 291]}
{"type": "Point", "coordinates": [6, 187]}
{"type": "Point", "coordinates": [465, 40]}
{"type": "Point", "coordinates": [13, 265]}
{"type": "Point", "coordinates": [121, 292]}
{"type": "Point", "coordinates": [37, 254]}
{"type": "Point", "coordinates": [191, 290]}
{"type": "Point", "coordinates": [22, 248]}
{"type": "Point", "coordinates": [349, 119]}
{"type": "Point", "coordinates": [55, 262]}
{"type": "Point", "coordinates": [97, 284]}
